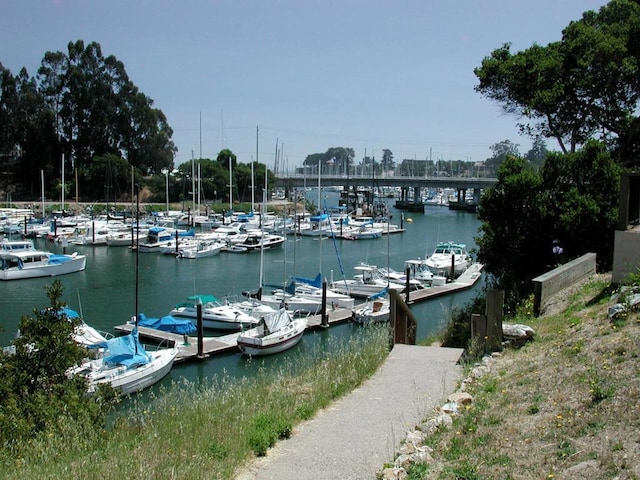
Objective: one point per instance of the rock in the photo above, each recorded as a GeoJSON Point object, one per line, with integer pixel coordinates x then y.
{"type": "Point", "coordinates": [461, 398]}
{"type": "Point", "coordinates": [441, 421]}
{"type": "Point", "coordinates": [394, 473]}
{"type": "Point", "coordinates": [517, 332]}
{"type": "Point", "coordinates": [415, 438]}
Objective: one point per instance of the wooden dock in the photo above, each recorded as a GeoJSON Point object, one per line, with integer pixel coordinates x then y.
{"type": "Point", "coordinates": [188, 345]}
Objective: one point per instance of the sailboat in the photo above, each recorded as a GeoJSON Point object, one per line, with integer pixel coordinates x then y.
{"type": "Point", "coordinates": [375, 309]}
{"type": "Point", "coordinates": [275, 332]}
{"type": "Point", "coordinates": [124, 363]}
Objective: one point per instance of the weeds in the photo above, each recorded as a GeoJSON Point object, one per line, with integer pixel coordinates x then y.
{"type": "Point", "coordinates": [202, 431]}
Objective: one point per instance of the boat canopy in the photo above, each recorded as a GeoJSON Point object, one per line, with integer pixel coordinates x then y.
{"type": "Point", "coordinates": [381, 294]}
{"type": "Point", "coordinates": [168, 323]}
{"type": "Point", "coordinates": [126, 350]}
{"type": "Point", "coordinates": [277, 320]}
{"type": "Point", "coordinates": [203, 298]}
{"type": "Point", "coordinates": [314, 282]}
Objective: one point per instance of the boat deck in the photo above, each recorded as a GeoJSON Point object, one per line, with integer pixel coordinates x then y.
{"type": "Point", "coordinates": [188, 346]}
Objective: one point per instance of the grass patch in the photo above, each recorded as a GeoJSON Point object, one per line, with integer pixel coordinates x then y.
{"type": "Point", "coordinates": [202, 431]}
{"type": "Point", "coordinates": [549, 405]}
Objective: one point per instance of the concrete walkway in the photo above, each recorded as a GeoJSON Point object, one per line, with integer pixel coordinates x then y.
{"type": "Point", "coordinates": [358, 434]}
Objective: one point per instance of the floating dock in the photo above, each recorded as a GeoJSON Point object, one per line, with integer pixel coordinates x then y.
{"type": "Point", "coordinates": [188, 346]}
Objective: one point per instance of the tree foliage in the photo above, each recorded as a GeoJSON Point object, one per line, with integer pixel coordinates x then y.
{"type": "Point", "coordinates": [531, 221]}
{"type": "Point", "coordinates": [586, 85]}
{"type": "Point", "coordinates": [36, 393]}
{"type": "Point", "coordinates": [81, 104]}
{"type": "Point", "coordinates": [337, 160]}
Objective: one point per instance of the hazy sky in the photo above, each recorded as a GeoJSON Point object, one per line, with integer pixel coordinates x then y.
{"type": "Point", "coordinates": [310, 74]}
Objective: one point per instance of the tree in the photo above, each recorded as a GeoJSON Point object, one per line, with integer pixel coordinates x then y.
{"type": "Point", "coordinates": [36, 392]}
{"type": "Point", "coordinates": [99, 111]}
{"type": "Point", "coordinates": [582, 201]}
{"type": "Point", "coordinates": [532, 221]}
{"type": "Point", "coordinates": [586, 85]}
{"type": "Point", "coordinates": [387, 160]}
{"type": "Point", "coordinates": [501, 151]}
{"type": "Point", "coordinates": [512, 241]}
{"type": "Point", "coordinates": [538, 152]}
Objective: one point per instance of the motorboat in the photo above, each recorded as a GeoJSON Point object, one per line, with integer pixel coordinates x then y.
{"type": "Point", "coordinates": [126, 365]}
{"type": "Point", "coordinates": [419, 270]}
{"type": "Point", "coordinates": [289, 299]}
{"type": "Point", "coordinates": [365, 283]}
{"type": "Point", "coordinates": [275, 333]}
{"type": "Point", "coordinates": [261, 241]}
{"type": "Point", "coordinates": [215, 315]}
{"type": "Point", "coordinates": [200, 249]}
{"type": "Point", "coordinates": [376, 309]}
{"type": "Point", "coordinates": [312, 288]}
{"type": "Point", "coordinates": [399, 277]}
{"type": "Point", "coordinates": [158, 237]}
{"type": "Point", "coordinates": [448, 257]}
{"type": "Point", "coordinates": [19, 264]}
{"type": "Point", "coordinates": [16, 245]}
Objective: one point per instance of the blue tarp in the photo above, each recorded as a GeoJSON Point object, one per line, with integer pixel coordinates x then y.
{"type": "Point", "coordinates": [167, 323]}
{"type": "Point", "coordinates": [126, 350]}
{"type": "Point", "coordinates": [314, 282]}
{"type": "Point", "coordinates": [380, 294]}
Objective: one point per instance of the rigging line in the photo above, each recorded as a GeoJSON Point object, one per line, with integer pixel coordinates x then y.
{"type": "Point", "coordinates": [335, 246]}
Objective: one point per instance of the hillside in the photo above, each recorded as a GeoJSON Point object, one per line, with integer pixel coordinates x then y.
{"type": "Point", "coordinates": [564, 406]}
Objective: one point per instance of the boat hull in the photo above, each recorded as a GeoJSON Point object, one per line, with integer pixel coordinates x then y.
{"type": "Point", "coordinates": [130, 380]}
{"type": "Point", "coordinates": [252, 344]}
{"type": "Point", "coordinates": [75, 264]}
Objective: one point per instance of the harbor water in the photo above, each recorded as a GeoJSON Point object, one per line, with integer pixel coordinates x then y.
{"type": "Point", "coordinates": [105, 293]}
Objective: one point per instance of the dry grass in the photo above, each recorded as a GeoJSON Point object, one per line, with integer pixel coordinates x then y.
{"type": "Point", "coordinates": [566, 406]}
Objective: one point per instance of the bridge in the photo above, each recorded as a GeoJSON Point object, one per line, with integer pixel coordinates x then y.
{"type": "Point", "coordinates": [410, 187]}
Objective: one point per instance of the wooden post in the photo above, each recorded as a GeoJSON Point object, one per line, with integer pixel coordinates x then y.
{"type": "Point", "coordinates": [200, 355]}
{"type": "Point", "coordinates": [494, 314]}
{"type": "Point", "coordinates": [324, 317]}
{"type": "Point", "coordinates": [402, 321]}
{"type": "Point", "coordinates": [479, 330]}
{"type": "Point", "coordinates": [407, 284]}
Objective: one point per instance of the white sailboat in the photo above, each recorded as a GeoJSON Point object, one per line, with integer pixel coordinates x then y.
{"type": "Point", "coordinates": [124, 363]}
{"type": "Point", "coordinates": [277, 332]}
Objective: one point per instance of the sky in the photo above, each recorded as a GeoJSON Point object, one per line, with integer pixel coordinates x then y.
{"type": "Point", "coordinates": [302, 76]}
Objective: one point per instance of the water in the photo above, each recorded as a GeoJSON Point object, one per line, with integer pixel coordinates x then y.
{"type": "Point", "coordinates": [105, 292]}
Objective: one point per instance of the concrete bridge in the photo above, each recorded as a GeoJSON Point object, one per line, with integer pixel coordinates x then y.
{"type": "Point", "coordinates": [406, 183]}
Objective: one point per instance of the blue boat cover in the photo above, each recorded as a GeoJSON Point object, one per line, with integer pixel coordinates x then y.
{"type": "Point", "coordinates": [167, 323]}
{"type": "Point", "coordinates": [380, 294]}
{"type": "Point", "coordinates": [126, 350]}
{"type": "Point", "coordinates": [314, 282]}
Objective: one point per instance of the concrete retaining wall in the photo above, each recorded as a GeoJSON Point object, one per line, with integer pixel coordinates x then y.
{"type": "Point", "coordinates": [546, 285]}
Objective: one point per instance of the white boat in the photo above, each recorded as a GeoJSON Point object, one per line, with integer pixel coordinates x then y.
{"type": "Point", "coordinates": [419, 270]}
{"type": "Point", "coordinates": [399, 277]}
{"type": "Point", "coordinates": [291, 301]}
{"type": "Point", "coordinates": [84, 334]}
{"type": "Point", "coordinates": [126, 365]}
{"type": "Point", "coordinates": [15, 265]}
{"type": "Point", "coordinates": [158, 237]}
{"type": "Point", "coordinates": [375, 309]}
{"type": "Point", "coordinates": [276, 333]}
{"type": "Point", "coordinates": [16, 245]}
{"type": "Point", "coordinates": [366, 283]}
{"type": "Point", "coordinates": [362, 233]}
{"type": "Point", "coordinates": [312, 288]}
{"type": "Point", "coordinates": [261, 241]}
{"type": "Point", "coordinates": [448, 255]}
{"type": "Point", "coordinates": [200, 249]}
{"type": "Point", "coordinates": [215, 315]}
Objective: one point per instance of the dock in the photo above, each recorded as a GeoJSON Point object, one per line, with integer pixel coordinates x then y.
{"type": "Point", "coordinates": [188, 345]}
